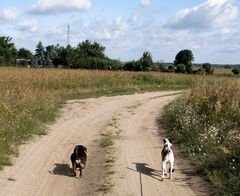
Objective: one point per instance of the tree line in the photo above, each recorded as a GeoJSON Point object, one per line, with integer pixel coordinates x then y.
{"type": "Point", "coordinates": [91, 55]}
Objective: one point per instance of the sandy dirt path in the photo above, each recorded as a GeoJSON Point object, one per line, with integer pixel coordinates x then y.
{"type": "Point", "coordinates": [43, 166]}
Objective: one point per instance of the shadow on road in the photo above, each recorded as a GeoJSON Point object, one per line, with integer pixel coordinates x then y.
{"type": "Point", "coordinates": [62, 170]}
{"type": "Point", "coordinates": [143, 168]}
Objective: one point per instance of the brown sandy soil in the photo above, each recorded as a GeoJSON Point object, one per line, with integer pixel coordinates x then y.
{"type": "Point", "coordinates": [43, 167]}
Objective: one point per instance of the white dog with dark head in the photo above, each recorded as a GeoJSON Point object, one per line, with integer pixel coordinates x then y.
{"type": "Point", "coordinates": [167, 157]}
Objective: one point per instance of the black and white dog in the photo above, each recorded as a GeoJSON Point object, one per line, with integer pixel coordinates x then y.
{"type": "Point", "coordinates": [79, 159]}
{"type": "Point", "coordinates": [167, 157]}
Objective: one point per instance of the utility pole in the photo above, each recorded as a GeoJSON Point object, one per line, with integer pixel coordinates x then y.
{"type": "Point", "coordinates": [68, 35]}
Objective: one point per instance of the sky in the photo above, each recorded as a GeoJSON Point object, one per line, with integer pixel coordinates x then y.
{"type": "Point", "coordinates": [127, 28]}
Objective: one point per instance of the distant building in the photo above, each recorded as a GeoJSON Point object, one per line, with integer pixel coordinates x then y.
{"type": "Point", "coordinates": [23, 62]}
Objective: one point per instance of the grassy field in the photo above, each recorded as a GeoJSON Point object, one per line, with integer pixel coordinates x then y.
{"type": "Point", "coordinates": [30, 98]}
{"type": "Point", "coordinates": [206, 124]}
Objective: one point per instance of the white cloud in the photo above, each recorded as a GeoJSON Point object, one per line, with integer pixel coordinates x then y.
{"type": "Point", "coordinates": [29, 25]}
{"type": "Point", "coordinates": [145, 2]}
{"type": "Point", "coordinates": [210, 14]}
{"type": "Point", "coordinates": [107, 30]}
{"type": "Point", "coordinates": [9, 14]}
{"type": "Point", "coordinates": [60, 6]}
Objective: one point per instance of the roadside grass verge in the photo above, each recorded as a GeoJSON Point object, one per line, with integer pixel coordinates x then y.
{"type": "Point", "coordinates": [206, 125]}
{"type": "Point", "coordinates": [107, 142]}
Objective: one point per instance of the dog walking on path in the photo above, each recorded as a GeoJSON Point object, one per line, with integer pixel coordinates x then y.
{"type": "Point", "coordinates": [167, 157]}
{"type": "Point", "coordinates": [79, 159]}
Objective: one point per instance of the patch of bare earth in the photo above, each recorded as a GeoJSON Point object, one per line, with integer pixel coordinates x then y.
{"type": "Point", "coordinates": [43, 166]}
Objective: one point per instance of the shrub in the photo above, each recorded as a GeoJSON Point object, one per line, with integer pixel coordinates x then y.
{"type": "Point", "coordinates": [180, 68]}
{"type": "Point", "coordinates": [171, 68]}
{"type": "Point", "coordinates": [236, 70]}
{"type": "Point", "coordinates": [207, 67]}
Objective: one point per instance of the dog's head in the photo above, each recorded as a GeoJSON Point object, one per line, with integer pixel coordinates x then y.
{"type": "Point", "coordinates": [79, 149]}
{"type": "Point", "coordinates": [167, 143]}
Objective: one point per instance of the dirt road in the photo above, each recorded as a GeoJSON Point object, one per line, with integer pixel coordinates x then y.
{"type": "Point", "coordinates": [43, 166]}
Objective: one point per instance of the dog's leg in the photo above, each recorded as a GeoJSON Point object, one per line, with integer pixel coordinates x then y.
{"type": "Point", "coordinates": [163, 169]}
{"type": "Point", "coordinates": [171, 169]}
{"type": "Point", "coordinates": [74, 169]}
{"type": "Point", "coordinates": [80, 173]}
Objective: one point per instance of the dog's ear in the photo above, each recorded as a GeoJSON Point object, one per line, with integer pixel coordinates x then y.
{"type": "Point", "coordinates": [75, 149]}
{"type": "Point", "coordinates": [85, 148]}
{"type": "Point", "coordinates": [170, 141]}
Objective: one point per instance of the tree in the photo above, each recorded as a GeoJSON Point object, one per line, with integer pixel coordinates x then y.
{"type": "Point", "coordinates": [40, 54]}
{"type": "Point", "coordinates": [8, 52]}
{"type": "Point", "coordinates": [236, 70]}
{"type": "Point", "coordinates": [185, 57]}
{"type": "Point", "coordinates": [89, 49]}
{"type": "Point", "coordinates": [146, 61]}
{"type": "Point", "coordinates": [51, 54]}
{"type": "Point", "coordinates": [68, 57]}
{"type": "Point", "coordinates": [207, 67]}
{"type": "Point", "coordinates": [25, 54]}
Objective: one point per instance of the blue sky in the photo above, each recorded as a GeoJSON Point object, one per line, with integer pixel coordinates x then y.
{"type": "Point", "coordinates": [210, 28]}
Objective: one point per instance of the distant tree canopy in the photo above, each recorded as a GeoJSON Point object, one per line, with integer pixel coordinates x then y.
{"type": "Point", "coordinates": [91, 55]}
{"type": "Point", "coordinates": [86, 55]}
{"type": "Point", "coordinates": [88, 49]}
{"type": "Point", "coordinates": [145, 63]}
{"type": "Point", "coordinates": [24, 54]}
{"type": "Point", "coordinates": [8, 52]}
{"type": "Point", "coordinates": [184, 57]}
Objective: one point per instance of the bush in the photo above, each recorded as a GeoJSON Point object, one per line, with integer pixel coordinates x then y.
{"type": "Point", "coordinates": [171, 68]}
{"type": "Point", "coordinates": [236, 70]}
{"type": "Point", "coordinates": [180, 68]}
{"type": "Point", "coordinates": [130, 66]}
{"type": "Point", "coordinates": [207, 67]}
